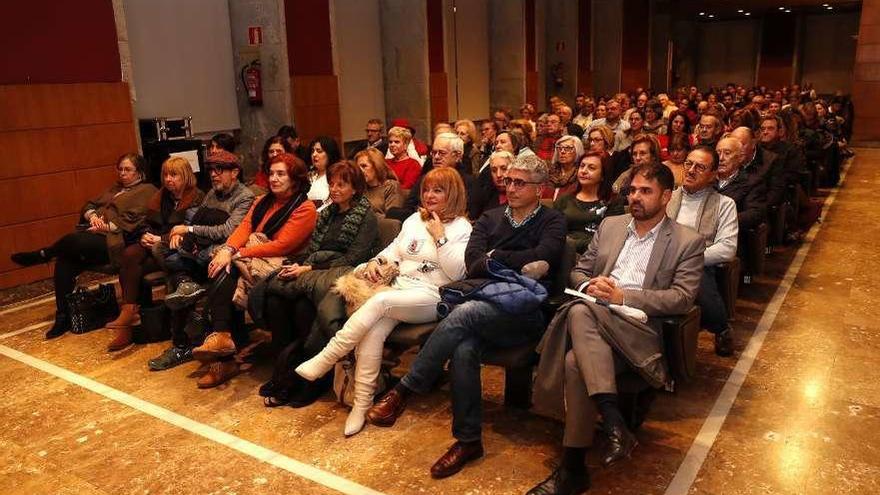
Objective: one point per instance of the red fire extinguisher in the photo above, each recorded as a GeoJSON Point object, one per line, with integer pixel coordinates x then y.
{"type": "Point", "coordinates": [252, 79]}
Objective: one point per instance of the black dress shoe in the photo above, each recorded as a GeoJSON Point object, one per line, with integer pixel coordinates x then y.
{"type": "Point", "coordinates": [60, 327]}
{"type": "Point", "coordinates": [724, 343]}
{"type": "Point", "coordinates": [455, 458]}
{"type": "Point", "coordinates": [173, 356]}
{"type": "Point", "coordinates": [29, 258]}
{"type": "Point", "coordinates": [562, 482]}
{"type": "Point", "coordinates": [620, 445]}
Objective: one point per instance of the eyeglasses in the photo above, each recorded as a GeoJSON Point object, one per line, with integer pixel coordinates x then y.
{"type": "Point", "coordinates": [126, 170]}
{"type": "Point", "coordinates": [218, 169]}
{"type": "Point", "coordinates": [372, 131]}
{"type": "Point", "coordinates": [517, 183]}
{"type": "Point", "coordinates": [565, 149]}
{"type": "Point", "coordinates": [698, 167]}
{"type": "Point", "coordinates": [596, 140]}
{"type": "Point", "coordinates": [440, 153]}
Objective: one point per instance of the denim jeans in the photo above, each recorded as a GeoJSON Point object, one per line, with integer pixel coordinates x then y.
{"type": "Point", "coordinates": [713, 311]}
{"type": "Point", "coordinates": [461, 338]}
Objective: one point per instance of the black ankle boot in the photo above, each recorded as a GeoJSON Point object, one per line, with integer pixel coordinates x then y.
{"type": "Point", "coordinates": [61, 326]}
{"type": "Point", "coordinates": [30, 258]}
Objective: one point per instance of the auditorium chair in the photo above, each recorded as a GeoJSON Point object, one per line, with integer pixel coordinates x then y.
{"type": "Point", "coordinates": [751, 249]}
{"type": "Point", "coordinates": [727, 278]}
{"type": "Point", "coordinates": [679, 334]}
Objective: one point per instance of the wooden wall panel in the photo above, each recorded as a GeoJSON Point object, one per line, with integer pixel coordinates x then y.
{"type": "Point", "coordinates": [316, 106]}
{"type": "Point", "coordinates": [60, 143]}
{"type": "Point", "coordinates": [58, 149]}
{"type": "Point", "coordinates": [39, 106]}
{"type": "Point", "coordinates": [438, 84]}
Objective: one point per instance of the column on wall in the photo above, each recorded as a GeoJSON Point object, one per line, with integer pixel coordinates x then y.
{"type": "Point", "coordinates": [607, 44]}
{"type": "Point", "coordinates": [509, 59]}
{"type": "Point", "coordinates": [866, 76]}
{"type": "Point", "coordinates": [314, 85]}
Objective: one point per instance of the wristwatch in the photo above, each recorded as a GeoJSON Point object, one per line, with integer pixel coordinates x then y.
{"type": "Point", "coordinates": [441, 241]}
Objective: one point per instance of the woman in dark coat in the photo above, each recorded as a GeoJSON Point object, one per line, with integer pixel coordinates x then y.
{"type": "Point", "coordinates": [107, 224]}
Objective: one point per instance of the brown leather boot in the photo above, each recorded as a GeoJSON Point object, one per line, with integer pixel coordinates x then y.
{"type": "Point", "coordinates": [121, 339]}
{"type": "Point", "coordinates": [129, 316]}
{"type": "Point", "coordinates": [218, 373]}
{"type": "Point", "coordinates": [216, 345]}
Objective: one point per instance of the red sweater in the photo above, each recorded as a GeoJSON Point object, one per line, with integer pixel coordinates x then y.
{"type": "Point", "coordinates": [407, 171]}
{"type": "Point", "coordinates": [290, 238]}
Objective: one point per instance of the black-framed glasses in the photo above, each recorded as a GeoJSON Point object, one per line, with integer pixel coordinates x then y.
{"type": "Point", "coordinates": [517, 183]}
{"type": "Point", "coordinates": [698, 167]}
{"type": "Point", "coordinates": [565, 149]}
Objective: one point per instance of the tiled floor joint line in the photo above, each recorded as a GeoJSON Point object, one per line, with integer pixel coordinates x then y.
{"type": "Point", "coordinates": [35, 326]}
{"type": "Point", "coordinates": [250, 449]}
{"type": "Point", "coordinates": [696, 455]}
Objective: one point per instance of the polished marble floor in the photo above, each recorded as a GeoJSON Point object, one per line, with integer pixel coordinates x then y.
{"type": "Point", "coordinates": [806, 419]}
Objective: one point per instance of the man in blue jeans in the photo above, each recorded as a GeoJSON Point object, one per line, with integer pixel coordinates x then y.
{"type": "Point", "coordinates": [523, 236]}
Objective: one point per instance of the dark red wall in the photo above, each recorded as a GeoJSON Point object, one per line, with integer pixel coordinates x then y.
{"type": "Point", "coordinates": [51, 41]}
{"type": "Point", "coordinates": [634, 52]}
{"type": "Point", "coordinates": [436, 61]}
{"type": "Point", "coordinates": [308, 37]}
{"type": "Point", "coordinates": [777, 50]}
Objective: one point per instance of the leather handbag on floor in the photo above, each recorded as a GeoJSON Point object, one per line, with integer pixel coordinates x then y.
{"type": "Point", "coordinates": [91, 309]}
{"type": "Point", "coordinates": [343, 381]}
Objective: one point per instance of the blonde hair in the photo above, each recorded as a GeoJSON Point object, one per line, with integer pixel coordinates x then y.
{"type": "Point", "coordinates": [471, 129]}
{"type": "Point", "coordinates": [400, 133]}
{"type": "Point", "coordinates": [607, 135]}
{"type": "Point", "coordinates": [450, 181]}
{"type": "Point", "coordinates": [180, 166]}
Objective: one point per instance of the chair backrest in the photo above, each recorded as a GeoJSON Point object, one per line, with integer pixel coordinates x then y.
{"type": "Point", "coordinates": [388, 230]}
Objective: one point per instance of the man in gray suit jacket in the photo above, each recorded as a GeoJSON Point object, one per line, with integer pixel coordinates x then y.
{"type": "Point", "coordinates": [643, 260]}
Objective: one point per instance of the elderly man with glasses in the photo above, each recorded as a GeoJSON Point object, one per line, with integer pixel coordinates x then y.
{"type": "Point", "coordinates": [698, 205]}
{"type": "Point", "coordinates": [523, 236]}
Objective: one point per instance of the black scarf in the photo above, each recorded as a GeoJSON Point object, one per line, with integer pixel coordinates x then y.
{"type": "Point", "coordinates": [279, 218]}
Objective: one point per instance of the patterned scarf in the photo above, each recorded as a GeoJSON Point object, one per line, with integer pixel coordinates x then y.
{"type": "Point", "coordinates": [559, 178]}
{"type": "Point", "coordinates": [350, 225]}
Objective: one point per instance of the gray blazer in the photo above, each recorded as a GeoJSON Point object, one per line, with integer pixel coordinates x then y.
{"type": "Point", "coordinates": [672, 279]}
{"type": "Point", "coordinates": [674, 270]}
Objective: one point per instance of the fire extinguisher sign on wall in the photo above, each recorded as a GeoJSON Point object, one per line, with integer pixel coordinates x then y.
{"type": "Point", "coordinates": [252, 80]}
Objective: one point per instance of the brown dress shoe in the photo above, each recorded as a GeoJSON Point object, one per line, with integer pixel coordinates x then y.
{"type": "Point", "coordinates": [129, 316]}
{"type": "Point", "coordinates": [387, 410]}
{"type": "Point", "coordinates": [121, 339]}
{"type": "Point", "coordinates": [216, 345]}
{"type": "Point", "coordinates": [455, 458]}
{"type": "Point", "coordinates": [218, 373]}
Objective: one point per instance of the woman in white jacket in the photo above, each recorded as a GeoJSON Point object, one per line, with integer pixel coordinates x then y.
{"type": "Point", "coordinates": [430, 253]}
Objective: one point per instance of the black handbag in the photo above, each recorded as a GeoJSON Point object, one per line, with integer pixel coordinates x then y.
{"type": "Point", "coordinates": [91, 309]}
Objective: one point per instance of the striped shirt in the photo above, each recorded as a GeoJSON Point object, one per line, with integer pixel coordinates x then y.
{"type": "Point", "coordinates": [629, 269]}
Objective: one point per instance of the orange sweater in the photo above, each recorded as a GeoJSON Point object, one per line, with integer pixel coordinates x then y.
{"type": "Point", "coordinates": [291, 238]}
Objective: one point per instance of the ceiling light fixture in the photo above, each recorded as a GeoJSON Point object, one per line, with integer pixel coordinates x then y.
{"type": "Point", "coordinates": [702, 13]}
{"type": "Point", "coordinates": [740, 11]}
{"type": "Point", "coordinates": [781, 8]}
{"type": "Point", "coordinates": [788, 11]}
{"type": "Point", "coordinates": [748, 13]}
{"type": "Point", "coordinates": [711, 16]}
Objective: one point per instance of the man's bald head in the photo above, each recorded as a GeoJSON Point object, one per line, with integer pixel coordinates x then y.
{"type": "Point", "coordinates": [747, 137]}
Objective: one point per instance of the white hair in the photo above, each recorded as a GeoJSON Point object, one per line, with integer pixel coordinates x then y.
{"type": "Point", "coordinates": [455, 142]}
{"type": "Point", "coordinates": [530, 164]}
